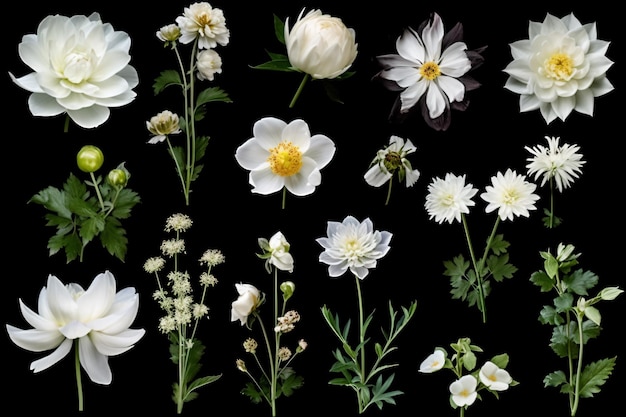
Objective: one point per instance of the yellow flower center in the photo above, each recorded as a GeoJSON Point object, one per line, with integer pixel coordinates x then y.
{"type": "Point", "coordinates": [510, 197]}
{"type": "Point", "coordinates": [430, 70]}
{"type": "Point", "coordinates": [285, 159]}
{"type": "Point", "coordinates": [559, 66]}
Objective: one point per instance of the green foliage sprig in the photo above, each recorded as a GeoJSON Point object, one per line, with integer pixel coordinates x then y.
{"type": "Point", "coordinates": [575, 321]}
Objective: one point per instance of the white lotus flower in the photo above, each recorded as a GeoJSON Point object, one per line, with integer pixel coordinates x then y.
{"type": "Point", "coordinates": [561, 67]}
{"type": "Point", "coordinates": [248, 300]}
{"type": "Point", "coordinates": [80, 67]}
{"type": "Point", "coordinates": [494, 378]}
{"type": "Point", "coordinates": [99, 318]}
{"type": "Point", "coordinates": [353, 245]}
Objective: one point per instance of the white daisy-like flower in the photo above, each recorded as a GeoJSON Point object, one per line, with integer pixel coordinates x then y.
{"type": "Point", "coordinates": [560, 68]}
{"type": "Point", "coordinates": [390, 160]}
{"type": "Point", "coordinates": [561, 162]}
{"type": "Point", "coordinates": [431, 69]}
{"type": "Point", "coordinates": [448, 198]}
{"type": "Point", "coordinates": [434, 362]}
{"type": "Point", "coordinates": [284, 155]}
{"type": "Point", "coordinates": [494, 378]}
{"type": "Point", "coordinates": [353, 245]}
{"type": "Point", "coordinates": [204, 22]}
{"type": "Point", "coordinates": [463, 390]}
{"type": "Point", "coordinates": [511, 194]}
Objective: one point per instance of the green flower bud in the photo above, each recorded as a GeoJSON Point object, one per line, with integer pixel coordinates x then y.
{"type": "Point", "coordinates": [90, 158]}
{"type": "Point", "coordinates": [610, 293]}
{"type": "Point", "coordinates": [287, 289]}
{"type": "Point", "coordinates": [117, 177]}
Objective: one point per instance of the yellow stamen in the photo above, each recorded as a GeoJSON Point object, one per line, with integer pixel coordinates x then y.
{"type": "Point", "coordinates": [430, 70]}
{"type": "Point", "coordinates": [559, 66]}
{"type": "Point", "coordinates": [285, 159]}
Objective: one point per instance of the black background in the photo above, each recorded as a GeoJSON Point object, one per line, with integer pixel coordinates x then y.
{"type": "Point", "coordinates": [489, 137]}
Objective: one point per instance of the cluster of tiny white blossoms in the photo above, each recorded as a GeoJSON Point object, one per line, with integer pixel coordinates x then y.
{"type": "Point", "coordinates": [287, 322]}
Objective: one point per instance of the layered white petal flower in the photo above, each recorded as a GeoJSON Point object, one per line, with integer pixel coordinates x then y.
{"type": "Point", "coordinates": [80, 67]}
{"type": "Point", "coordinates": [390, 160]}
{"type": "Point", "coordinates": [280, 256]}
{"type": "Point", "coordinates": [463, 390]}
{"type": "Point", "coordinates": [209, 63]}
{"type": "Point", "coordinates": [434, 362]}
{"type": "Point", "coordinates": [203, 22]}
{"type": "Point", "coordinates": [561, 162]}
{"type": "Point", "coordinates": [284, 155]}
{"type": "Point", "coordinates": [246, 303]}
{"type": "Point", "coordinates": [449, 197]}
{"type": "Point", "coordinates": [511, 194]}
{"type": "Point", "coordinates": [494, 378]}
{"type": "Point", "coordinates": [560, 68]}
{"type": "Point", "coordinates": [353, 245]}
{"type": "Point", "coordinates": [98, 317]}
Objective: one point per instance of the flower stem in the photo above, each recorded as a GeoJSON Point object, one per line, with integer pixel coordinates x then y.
{"type": "Point", "coordinates": [551, 221]}
{"type": "Point", "coordinates": [79, 384]}
{"type": "Point", "coordinates": [284, 197]}
{"type": "Point", "coordinates": [580, 366]}
{"type": "Point", "coordinates": [481, 297]}
{"type": "Point", "coordinates": [95, 185]}
{"type": "Point", "coordinates": [361, 340]}
{"type": "Point", "coordinates": [389, 191]}
{"type": "Point", "coordinates": [299, 91]}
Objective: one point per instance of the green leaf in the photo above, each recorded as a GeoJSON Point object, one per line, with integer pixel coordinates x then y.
{"type": "Point", "coordinates": [500, 267]}
{"type": "Point", "coordinates": [279, 29]}
{"type": "Point", "coordinates": [126, 200]}
{"type": "Point", "coordinates": [555, 379]}
{"type": "Point", "coordinates": [113, 238]}
{"type": "Point", "coordinates": [381, 393]}
{"type": "Point", "coordinates": [594, 376]}
{"type": "Point", "coordinates": [498, 245]}
{"type": "Point", "coordinates": [580, 281]}
{"type": "Point", "coordinates": [542, 280]}
{"type": "Point", "coordinates": [277, 63]}
{"type": "Point", "coordinates": [166, 79]}
{"type": "Point", "coordinates": [52, 199]}
{"type": "Point", "coordinates": [212, 94]}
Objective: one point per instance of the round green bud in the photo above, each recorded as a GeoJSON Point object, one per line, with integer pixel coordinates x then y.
{"type": "Point", "coordinates": [90, 158]}
{"type": "Point", "coordinates": [117, 177]}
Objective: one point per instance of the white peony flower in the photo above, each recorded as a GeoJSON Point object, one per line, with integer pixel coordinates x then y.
{"type": "Point", "coordinates": [463, 391]}
{"type": "Point", "coordinates": [208, 63]}
{"type": "Point", "coordinates": [494, 378]}
{"type": "Point", "coordinates": [284, 155]}
{"type": "Point", "coordinates": [448, 198]}
{"type": "Point", "coordinates": [320, 45]}
{"type": "Point", "coordinates": [203, 22]}
{"type": "Point", "coordinates": [248, 300]}
{"type": "Point", "coordinates": [99, 318]}
{"type": "Point", "coordinates": [80, 67]}
{"type": "Point", "coordinates": [353, 245]}
{"type": "Point", "coordinates": [561, 67]}
{"type": "Point", "coordinates": [511, 194]}
{"type": "Point", "coordinates": [434, 362]}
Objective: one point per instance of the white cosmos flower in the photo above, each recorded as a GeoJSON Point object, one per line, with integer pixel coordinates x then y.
{"type": "Point", "coordinates": [284, 155]}
{"type": "Point", "coordinates": [561, 67]}
{"type": "Point", "coordinates": [353, 245]}
{"type": "Point", "coordinates": [431, 69]}
{"type": "Point", "coordinates": [434, 362]}
{"type": "Point", "coordinates": [390, 160]}
{"type": "Point", "coordinates": [204, 22]}
{"type": "Point", "coordinates": [248, 300]}
{"type": "Point", "coordinates": [561, 162]}
{"type": "Point", "coordinates": [511, 194]}
{"type": "Point", "coordinates": [463, 390]}
{"type": "Point", "coordinates": [80, 67]}
{"type": "Point", "coordinates": [98, 317]}
{"type": "Point", "coordinates": [448, 198]}
{"type": "Point", "coordinates": [494, 378]}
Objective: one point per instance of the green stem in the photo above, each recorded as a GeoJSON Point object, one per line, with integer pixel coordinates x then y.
{"type": "Point", "coordinates": [551, 221]}
{"type": "Point", "coordinates": [477, 270]}
{"type": "Point", "coordinates": [79, 384]}
{"type": "Point", "coordinates": [284, 197]}
{"type": "Point", "coordinates": [579, 367]}
{"type": "Point", "coordinates": [389, 191]}
{"type": "Point", "coordinates": [95, 185]}
{"type": "Point", "coordinates": [299, 91]}
{"type": "Point", "coordinates": [361, 338]}
{"type": "Point", "coordinates": [178, 169]}
{"type": "Point", "coordinates": [272, 399]}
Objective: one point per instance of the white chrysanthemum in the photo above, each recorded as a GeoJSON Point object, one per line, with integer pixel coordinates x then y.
{"type": "Point", "coordinates": [202, 21]}
{"type": "Point", "coordinates": [448, 198]}
{"type": "Point", "coordinates": [494, 378]}
{"type": "Point", "coordinates": [563, 163]}
{"type": "Point", "coordinates": [434, 362]}
{"type": "Point", "coordinates": [510, 194]}
{"type": "Point", "coordinates": [390, 160]}
{"type": "Point", "coordinates": [98, 317]}
{"type": "Point", "coordinates": [561, 67]}
{"type": "Point", "coordinates": [353, 245]}
{"type": "Point", "coordinates": [424, 67]}
{"type": "Point", "coordinates": [282, 155]}
{"type": "Point", "coordinates": [463, 390]}
{"type": "Point", "coordinates": [80, 67]}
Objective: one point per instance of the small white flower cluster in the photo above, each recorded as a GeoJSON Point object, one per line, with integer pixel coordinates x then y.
{"type": "Point", "coordinates": [287, 322]}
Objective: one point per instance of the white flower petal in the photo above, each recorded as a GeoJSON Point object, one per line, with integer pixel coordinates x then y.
{"type": "Point", "coordinates": [95, 364]}
{"type": "Point", "coordinates": [59, 353]}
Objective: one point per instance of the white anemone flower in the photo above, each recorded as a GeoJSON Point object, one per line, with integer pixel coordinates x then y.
{"type": "Point", "coordinates": [511, 194]}
{"type": "Point", "coordinates": [80, 67]}
{"type": "Point", "coordinates": [353, 245]}
{"type": "Point", "coordinates": [205, 23]}
{"type": "Point", "coordinates": [284, 155]}
{"type": "Point", "coordinates": [248, 300]}
{"type": "Point", "coordinates": [280, 256]}
{"type": "Point", "coordinates": [560, 68]}
{"type": "Point", "coordinates": [561, 162]}
{"type": "Point", "coordinates": [390, 160]}
{"type": "Point", "coordinates": [448, 198]}
{"type": "Point", "coordinates": [98, 318]}
{"type": "Point", "coordinates": [494, 378]}
{"type": "Point", "coordinates": [434, 362]}
{"type": "Point", "coordinates": [463, 390]}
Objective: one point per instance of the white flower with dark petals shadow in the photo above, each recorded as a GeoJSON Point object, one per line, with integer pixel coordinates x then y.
{"type": "Point", "coordinates": [95, 321]}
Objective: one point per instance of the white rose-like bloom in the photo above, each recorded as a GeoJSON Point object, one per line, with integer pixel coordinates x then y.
{"type": "Point", "coordinates": [510, 194]}
{"type": "Point", "coordinates": [434, 362]}
{"type": "Point", "coordinates": [281, 258]}
{"type": "Point", "coordinates": [98, 317]}
{"type": "Point", "coordinates": [494, 378]}
{"type": "Point", "coordinates": [163, 124]}
{"type": "Point", "coordinates": [561, 67]}
{"type": "Point", "coordinates": [448, 198]}
{"type": "Point", "coordinates": [202, 21]}
{"type": "Point", "coordinates": [353, 245]}
{"type": "Point", "coordinates": [391, 159]}
{"type": "Point", "coordinates": [284, 155]}
{"type": "Point", "coordinates": [463, 390]}
{"type": "Point", "coordinates": [563, 163]}
{"type": "Point", "coordinates": [246, 303]}
{"type": "Point", "coordinates": [320, 45]}
{"type": "Point", "coordinates": [80, 67]}
{"type": "Point", "coordinates": [208, 63]}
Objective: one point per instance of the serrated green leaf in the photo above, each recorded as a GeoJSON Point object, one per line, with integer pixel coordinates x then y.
{"type": "Point", "coordinates": [594, 376]}
{"type": "Point", "coordinates": [52, 199]}
{"type": "Point", "coordinates": [555, 379]}
{"type": "Point", "coordinates": [113, 238]}
{"type": "Point", "coordinates": [212, 94]}
{"type": "Point", "coordinates": [500, 267]}
{"type": "Point", "coordinates": [542, 280]}
{"type": "Point", "coordinates": [580, 281]}
{"type": "Point", "coordinates": [166, 79]}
